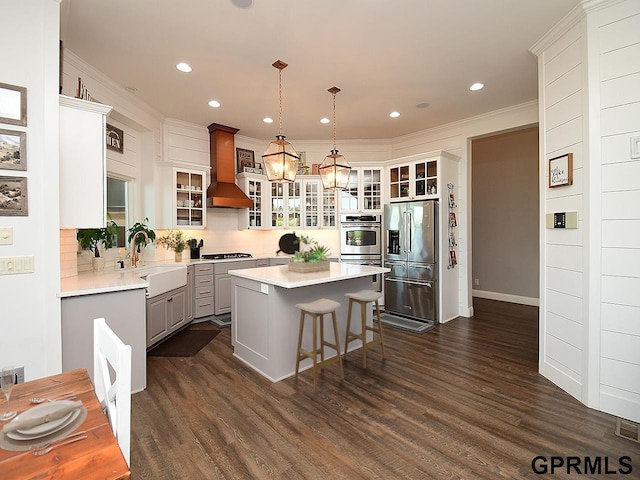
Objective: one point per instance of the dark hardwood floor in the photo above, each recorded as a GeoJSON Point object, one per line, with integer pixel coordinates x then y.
{"type": "Point", "coordinates": [463, 401]}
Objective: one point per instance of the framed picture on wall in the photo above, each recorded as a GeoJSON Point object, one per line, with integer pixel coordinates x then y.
{"type": "Point", "coordinates": [13, 196]}
{"type": "Point", "coordinates": [13, 104]}
{"type": "Point", "coordinates": [561, 170]}
{"type": "Point", "coordinates": [244, 159]}
{"type": "Point", "coordinates": [13, 150]}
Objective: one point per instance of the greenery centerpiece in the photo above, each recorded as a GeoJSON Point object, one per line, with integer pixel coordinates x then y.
{"type": "Point", "coordinates": [91, 238]}
{"type": "Point", "coordinates": [175, 240]}
{"type": "Point", "coordinates": [311, 256]}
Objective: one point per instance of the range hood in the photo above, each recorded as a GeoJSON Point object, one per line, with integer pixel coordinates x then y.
{"type": "Point", "coordinates": [223, 191]}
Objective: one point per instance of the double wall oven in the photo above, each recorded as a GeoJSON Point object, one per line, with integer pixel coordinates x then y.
{"type": "Point", "coordinates": [361, 242]}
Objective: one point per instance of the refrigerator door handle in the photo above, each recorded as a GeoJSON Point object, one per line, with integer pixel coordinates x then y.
{"type": "Point", "coordinates": [409, 227]}
{"type": "Point", "coordinates": [399, 280]}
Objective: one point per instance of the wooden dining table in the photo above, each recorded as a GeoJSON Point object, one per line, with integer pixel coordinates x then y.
{"type": "Point", "coordinates": [96, 457]}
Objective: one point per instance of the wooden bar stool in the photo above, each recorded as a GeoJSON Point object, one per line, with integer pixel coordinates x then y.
{"type": "Point", "coordinates": [317, 309]}
{"type": "Point", "coordinates": [364, 297]}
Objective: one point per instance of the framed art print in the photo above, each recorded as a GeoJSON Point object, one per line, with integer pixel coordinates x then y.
{"type": "Point", "coordinates": [561, 170]}
{"type": "Point", "coordinates": [13, 150]}
{"type": "Point", "coordinates": [13, 104]}
{"type": "Point", "coordinates": [13, 196]}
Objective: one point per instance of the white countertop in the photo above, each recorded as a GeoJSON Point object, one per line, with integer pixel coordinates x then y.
{"type": "Point", "coordinates": [88, 283]}
{"type": "Point", "coordinates": [280, 276]}
{"type": "Point", "coordinates": [110, 280]}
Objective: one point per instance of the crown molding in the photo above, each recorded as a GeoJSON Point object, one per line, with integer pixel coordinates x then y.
{"type": "Point", "coordinates": [110, 84]}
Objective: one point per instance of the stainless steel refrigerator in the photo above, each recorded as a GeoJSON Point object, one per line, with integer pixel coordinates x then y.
{"type": "Point", "coordinates": [411, 252]}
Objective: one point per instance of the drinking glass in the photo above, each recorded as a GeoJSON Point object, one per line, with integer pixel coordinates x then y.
{"type": "Point", "coordinates": [7, 380]}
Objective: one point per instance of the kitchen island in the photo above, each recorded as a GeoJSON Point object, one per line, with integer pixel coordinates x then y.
{"type": "Point", "coordinates": [265, 320]}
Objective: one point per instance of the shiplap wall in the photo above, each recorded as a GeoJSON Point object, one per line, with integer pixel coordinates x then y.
{"type": "Point", "coordinates": [589, 72]}
{"type": "Point", "coordinates": [562, 313]}
{"type": "Point", "coordinates": [618, 37]}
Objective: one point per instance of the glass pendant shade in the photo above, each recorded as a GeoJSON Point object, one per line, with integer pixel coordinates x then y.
{"type": "Point", "coordinates": [280, 161]}
{"type": "Point", "coordinates": [334, 171]}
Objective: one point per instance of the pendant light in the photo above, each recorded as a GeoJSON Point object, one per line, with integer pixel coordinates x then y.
{"type": "Point", "coordinates": [335, 170]}
{"type": "Point", "coordinates": [280, 160]}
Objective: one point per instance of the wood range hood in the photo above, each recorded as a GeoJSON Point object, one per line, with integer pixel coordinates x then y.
{"type": "Point", "coordinates": [223, 191]}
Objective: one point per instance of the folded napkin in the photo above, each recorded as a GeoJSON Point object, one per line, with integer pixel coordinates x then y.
{"type": "Point", "coordinates": [51, 411]}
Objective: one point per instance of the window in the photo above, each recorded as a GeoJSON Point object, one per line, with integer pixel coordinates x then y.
{"type": "Point", "coordinates": [117, 206]}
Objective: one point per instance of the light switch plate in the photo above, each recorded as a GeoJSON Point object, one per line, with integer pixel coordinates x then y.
{"type": "Point", "coordinates": [6, 235]}
{"type": "Point", "coordinates": [635, 147]}
{"type": "Point", "coordinates": [14, 265]}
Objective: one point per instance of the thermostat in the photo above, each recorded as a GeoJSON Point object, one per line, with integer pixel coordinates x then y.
{"type": "Point", "coordinates": [562, 220]}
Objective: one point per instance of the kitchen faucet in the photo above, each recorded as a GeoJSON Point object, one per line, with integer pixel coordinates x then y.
{"type": "Point", "coordinates": [134, 250]}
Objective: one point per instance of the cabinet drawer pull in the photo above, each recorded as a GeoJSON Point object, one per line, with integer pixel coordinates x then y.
{"type": "Point", "coordinates": [170, 299]}
{"type": "Point", "coordinates": [205, 305]}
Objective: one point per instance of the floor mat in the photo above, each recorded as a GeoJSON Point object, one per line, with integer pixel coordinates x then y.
{"type": "Point", "coordinates": [407, 324]}
{"type": "Point", "coordinates": [221, 321]}
{"type": "Point", "coordinates": [184, 344]}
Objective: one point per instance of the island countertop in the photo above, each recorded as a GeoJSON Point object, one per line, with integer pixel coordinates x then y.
{"type": "Point", "coordinates": [280, 276]}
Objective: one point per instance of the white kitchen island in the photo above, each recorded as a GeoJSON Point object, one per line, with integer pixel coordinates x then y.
{"type": "Point", "coordinates": [265, 320]}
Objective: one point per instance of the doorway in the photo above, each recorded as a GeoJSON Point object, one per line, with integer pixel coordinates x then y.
{"type": "Point", "coordinates": [505, 216]}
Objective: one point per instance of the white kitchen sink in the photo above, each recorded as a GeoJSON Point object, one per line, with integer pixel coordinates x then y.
{"type": "Point", "coordinates": [163, 278]}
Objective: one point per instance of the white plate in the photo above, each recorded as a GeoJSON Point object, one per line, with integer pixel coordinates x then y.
{"type": "Point", "coordinates": [28, 434]}
{"type": "Point", "coordinates": [41, 411]}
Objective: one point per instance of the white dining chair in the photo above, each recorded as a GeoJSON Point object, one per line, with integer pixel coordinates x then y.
{"type": "Point", "coordinates": [111, 354]}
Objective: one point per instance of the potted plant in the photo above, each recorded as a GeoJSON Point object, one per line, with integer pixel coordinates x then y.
{"type": "Point", "coordinates": [140, 240]}
{"type": "Point", "coordinates": [91, 238]}
{"type": "Point", "coordinates": [311, 256]}
{"type": "Point", "coordinates": [175, 240]}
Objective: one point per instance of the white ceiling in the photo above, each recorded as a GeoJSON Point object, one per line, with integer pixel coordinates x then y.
{"type": "Point", "coordinates": [385, 55]}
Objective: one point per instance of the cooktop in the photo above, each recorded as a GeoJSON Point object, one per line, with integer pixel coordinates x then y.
{"type": "Point", "coordinates": [223, 256]}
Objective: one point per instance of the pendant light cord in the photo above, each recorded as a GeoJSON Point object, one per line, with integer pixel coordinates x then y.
{"type": "Point", "coordinates": [280, 93]}
{"type": "Point", "coordinates": [334, 121]}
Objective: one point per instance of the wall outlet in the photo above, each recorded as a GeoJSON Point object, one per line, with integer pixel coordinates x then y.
{"type": "Point", "coordinates": [19, 374]}
{"type": "Point", "coordinates": [476, 282]}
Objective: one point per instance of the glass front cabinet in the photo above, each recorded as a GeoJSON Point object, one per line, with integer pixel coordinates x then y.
{"type": "Point", "coordinates": [301, 204]}
{"type": "Point", "coordinates": [256, 187]}
{"type": "Point", "coordinates": [189, 202]}
{"type": "Point", "coordinates": [423, 178]}
{"type": "Point", "coordinates": [413, 181]}
{"type": "Point", "coordinates": [364, 191]}
{"type": "Point", "coordinates": [319, 204]}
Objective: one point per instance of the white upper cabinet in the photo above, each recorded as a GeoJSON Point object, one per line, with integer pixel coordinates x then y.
{"type": "Point", "coordinates": [256, 187]}
{"type": "Point", "coordinates": [189, 198]}
{"type": "Point", "coordinates": [424, 177]}
{"type": "Point", "coordinates": [301, 204]}
{"type": "Point", "coordinates": [83, 172]}
{"type": "Point", "coordinates": [364, 191]}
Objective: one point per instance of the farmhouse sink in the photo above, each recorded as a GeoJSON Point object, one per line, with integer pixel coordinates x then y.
{"type": "Point", "coordinates": [163, 278]}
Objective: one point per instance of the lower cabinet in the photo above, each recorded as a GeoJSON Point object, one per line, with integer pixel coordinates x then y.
{"type": "Point", "coordinates": [190, 293]}
{"type": "Point", "coordinates": [203, 290]}
{"type": "Point", "coordinates": [223, 283]}
{"type": "Point", "coordinates": [166, 313]}
{"type": "Point", "coordinates": [124, 313]}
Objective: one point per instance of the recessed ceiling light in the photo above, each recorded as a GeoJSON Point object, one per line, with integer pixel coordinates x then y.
{"type": "Point", "coordinates": [242, 3]}
{"type": "Point", "coordinates": [214, 103]}
{"type": "Point", "coordinates": [394, 114]}
{"type": "Point", "coordinates": [476, 86]}
{"type": "Point", "coordinates": [183, 67]}
{"type": "Point", "coordinates": [422, 105]}
{"type": "Point", "coordinates": [324, 120]}
{"type": "Point", "coordinates": [268, 120]}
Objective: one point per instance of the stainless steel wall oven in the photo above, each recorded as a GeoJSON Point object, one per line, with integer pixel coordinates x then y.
{"type": "Point", "coordinates": [361, 242]}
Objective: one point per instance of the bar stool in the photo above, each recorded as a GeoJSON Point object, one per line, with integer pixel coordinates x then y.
{"type": "Point", "coordinates": [317, 309]}
{"type": "Point", "coordinates": [364, 297]}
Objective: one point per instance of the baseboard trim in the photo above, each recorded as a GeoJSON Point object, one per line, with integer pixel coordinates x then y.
{"type": "Point", "coordinates": [505, 297]}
